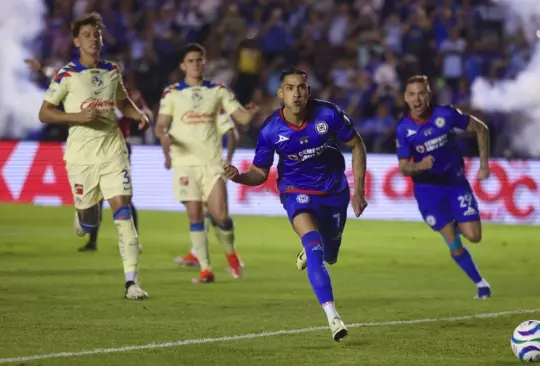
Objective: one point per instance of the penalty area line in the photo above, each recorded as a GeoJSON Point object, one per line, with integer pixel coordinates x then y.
{"type": "Point", "coordinates": [99, 351]}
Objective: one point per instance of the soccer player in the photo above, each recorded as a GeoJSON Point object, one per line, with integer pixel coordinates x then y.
{"type": "Point", "coordinates": [96, 155]}
{"type": "Point", "coordinates": [187, 128]}
{"type": "Point", "coordinates": [428, 152]}
{"type": "Point", "coordinates": [125, 125]}
{"type": "Point", "coordinates": [230, 139]}
{"type": "Point", "coordinates": [312, 182]}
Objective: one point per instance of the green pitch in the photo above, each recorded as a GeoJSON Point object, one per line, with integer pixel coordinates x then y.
{"type": "Point", "coordinates": [54, 299]}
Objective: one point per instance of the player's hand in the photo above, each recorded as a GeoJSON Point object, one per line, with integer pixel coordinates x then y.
{"type": "Point", "coordinates": [33, 64]}
{"type": "Point", "coordinates": [231, 172]}
{"type": "Point", "coordinates": [426, 163]}
{"type": "Point", "coordinates": [166, 142]}
{"type": "Point", "coordinates": [359, 203]}
{"type": "Point", "coordinates": [143, 122]}
{"type": "Point", "coordinates": [252, 109]}
{"type": "Point", "coordinates": [483, 173]}
{"type": "Point", "coordinates": [87, 115]}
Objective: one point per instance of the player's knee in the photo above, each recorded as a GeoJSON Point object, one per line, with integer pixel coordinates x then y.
{"type": "Point", "coordinates": [313, 245]}
{"type": "Point", "coordinates": [454, 244]}
{"type": "Point", "coordinates": [224, 223]}
{"type": "Point", "coordinates": [475, 236]}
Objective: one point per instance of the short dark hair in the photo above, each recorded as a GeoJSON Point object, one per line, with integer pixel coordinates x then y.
{"type": "Point", "coordinates": [292, 71]}
{"type": "Point", "coordinates": [420, 79]}
{"type": "Point", "coordinates": [191, 47]}
{"type": "Point", "coordinates": [93, 18]}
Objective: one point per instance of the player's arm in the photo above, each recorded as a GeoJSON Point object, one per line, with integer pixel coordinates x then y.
{"type": "Point", "coordinates": [49, 113]}
{"type": "Point", "coordinates": [359, 158]}
{"type": "Point", "coordinates": [407, 167]}
{"type": "Point", "coordinates": [481, 130]}
{"type": "Point", "coordinates": [232, 143]}
{"type": "Point", "coordinates": [255, 176]}
{"type": "Point", "coordinates": [128, 108]}
{"type": "Point", "coordinates": [242, 115]}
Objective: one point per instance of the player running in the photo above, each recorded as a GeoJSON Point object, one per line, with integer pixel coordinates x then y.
{"type": "Point", "coordinates": [314, 189]}
{"type": "Point", "coordinates": [428, 152]}
{"type": "Point", "coordinates": [96, 155]}
{"type": "Point", "coordinates": [188, 131]}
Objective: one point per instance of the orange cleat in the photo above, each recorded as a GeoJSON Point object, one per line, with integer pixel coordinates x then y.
{"type": "Point", "coordinates": [189, 260]}
{"type": "Point", "coordinates": [235, 265]}
{"type": "Point", "coordinates": [206, 276]}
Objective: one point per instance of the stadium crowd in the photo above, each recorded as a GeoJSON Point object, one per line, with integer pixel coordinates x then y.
{"type": "Point", "coordinates": [357, 52]}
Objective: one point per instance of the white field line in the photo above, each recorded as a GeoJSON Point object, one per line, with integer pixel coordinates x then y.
{"type": "Point", "coordinates": [98, 351]}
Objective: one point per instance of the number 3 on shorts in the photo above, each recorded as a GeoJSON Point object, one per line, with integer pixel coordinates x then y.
{"type": "Point", "coordinates": [127, 179]}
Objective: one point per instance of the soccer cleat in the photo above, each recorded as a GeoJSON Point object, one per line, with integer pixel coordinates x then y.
{"type": "Point", "coordinates": [91, 246]}
{"type": "Point", "coordinates": [338, 328]}
{"type": "Point", "coordinates": [205, 276]}
{"type": "Point", "coordinates": [77, 226]}
{"type": "Point", "coordinates": [483, 293]}
{"type": "Point", "coordinates": [301, 260]}
{"type": "Point", "coordinates": [134, 291]}
{"type": "Point", "coordinates": [189, 260]}
{"type": "Point", "coordinates": [236, 266]}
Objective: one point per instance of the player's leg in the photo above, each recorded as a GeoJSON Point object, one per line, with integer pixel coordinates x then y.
{"type": "Point", "coordinates": [208, 220]}
{"type": "Point", "coordinates": [115, 185]}
{"type": "Point", "coordinates": [224, 228]}
{"type": "Point", "coordinates": [187, 189]}
{"type": "Point", "coordinates": [190, 259]}
{"type": "Point", "coordinates": [302, 210]}
{"type": "Point", "coordinates": [84, 182]}
{"type": "Point", "coordinates": [467, 223]}
{"type": "Point", "coordinates": [92, 241]}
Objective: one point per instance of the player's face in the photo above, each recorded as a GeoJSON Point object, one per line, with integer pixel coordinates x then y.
{"type": "Point", "coordinates": [193, 65]}
{"type": "Point", "coordinates": [294, 92]}
{"type": "Point", "coordinates": [89, 40]}
{"type": "Point", "coordinates": [417, 97]}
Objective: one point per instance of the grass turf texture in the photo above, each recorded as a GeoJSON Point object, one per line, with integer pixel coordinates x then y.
{"type": "Point", "coordinates": [54, 299]}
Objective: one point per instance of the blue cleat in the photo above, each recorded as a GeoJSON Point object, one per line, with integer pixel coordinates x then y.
{"type": "Point", "coordinates": [483, 293]}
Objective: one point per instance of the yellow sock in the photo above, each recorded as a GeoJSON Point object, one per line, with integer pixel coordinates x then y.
{"type": "Point", "coordinates": [225, 236]}
{"type": "Point", "coordinates": [199, 243]}
{"type": "Point", "coordinates": [128, 244]}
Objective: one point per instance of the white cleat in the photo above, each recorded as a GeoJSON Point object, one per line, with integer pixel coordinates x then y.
{"type": "Point", "coordinates": [77, 226]}
{"type": "Point", "coordinates": [135, 292]}
{"type": "Point", "coordinates": [338, 328]}
{"type": "Point", "coordinates": [301, 260]}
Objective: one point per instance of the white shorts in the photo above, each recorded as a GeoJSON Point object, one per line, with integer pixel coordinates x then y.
{"type": "Point", "coordinates": [195, 183]}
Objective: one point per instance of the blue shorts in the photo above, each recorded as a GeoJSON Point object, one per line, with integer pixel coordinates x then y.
{"type": "Point", "coordinates": [441, 205]}
{"type": "Point", "coordinates": [329, 210]}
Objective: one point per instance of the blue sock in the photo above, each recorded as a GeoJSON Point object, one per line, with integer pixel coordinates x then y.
{"type": "Point", "coordinates": [123, 213]}
{"type": "Point", "coordinates": [228, 226]}
{"type": "Point", "coordinates": [317, 273]}
{"type": "Point", "coordinates": [464, 260]}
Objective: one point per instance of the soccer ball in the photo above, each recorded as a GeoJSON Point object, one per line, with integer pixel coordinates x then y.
{"type": "Point", "coordinates": [526, 341]}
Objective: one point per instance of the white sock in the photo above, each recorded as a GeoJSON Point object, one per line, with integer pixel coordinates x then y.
{"type": "Point", "coordinates": [482, 283]}
{"type": "Point", "coordinates": [330, 310]}
{"type": "Point", "coordinates": [131, 276]}
{"type": "Point", "coordinates": [193, 252]}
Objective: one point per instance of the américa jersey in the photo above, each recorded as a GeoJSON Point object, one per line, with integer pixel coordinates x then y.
{"type": "Point", "coordinates": [310, 160]}
{"type": "Point", "coordinates": [443, 192]}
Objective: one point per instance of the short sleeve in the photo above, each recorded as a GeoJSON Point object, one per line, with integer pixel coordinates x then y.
{"type": "Point", "coordinates": [166, 105]}
{"type": "Point", "coordinates": [224, 124]}
{"type": "Point", "coordinates": [459, 119]}
{"type": "Point", "coordinates": [228, 100]}
{"type": "Point", "coordinates": [57, 91]}
{"type": "Point", "coordinates": [121, 93]}
{"type": "Point", "coordinates": [264, 152]}
{"type": "Point", "coordinates": [343, 124]}
{"type": "Point", "coordinates": [402, 147]}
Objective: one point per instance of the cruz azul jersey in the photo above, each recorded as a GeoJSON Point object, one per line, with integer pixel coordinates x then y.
{"type": "Point", "coordinates": [197, 124]}
{"type": "Point", "coordinates": [77, 87]}
{"type": "Point", "coordinates": [435, 137]}
{"type": "Point", "coordinates": [309, 158]}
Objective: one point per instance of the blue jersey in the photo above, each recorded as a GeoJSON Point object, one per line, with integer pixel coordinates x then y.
{"type": "Point", "coordinates": [435, 137]}
{"type": "Point", "coordinates": [310, 160]}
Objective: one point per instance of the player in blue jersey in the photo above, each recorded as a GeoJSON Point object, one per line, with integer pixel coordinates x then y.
{"type": "Point", "coordinates": [311, 177]}
{"type": "Point", "coordinates": [428, 152]}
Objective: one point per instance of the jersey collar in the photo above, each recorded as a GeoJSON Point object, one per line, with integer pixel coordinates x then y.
{"type": "Point", "coordinates": [205, 83]}
{"type": "Point", "coordinates": [418, 122]}
{"type": "Point", "coordinates": [292, 125]}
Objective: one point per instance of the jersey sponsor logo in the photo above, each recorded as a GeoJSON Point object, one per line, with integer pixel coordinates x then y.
{"type": "Point", "coordinates": [430, 220]}
{"type": "Point", "coordinates": [321, 127]}
{"type": "Point", "coordinates": [193, 118]}
{"type": "Point", "coordinates": [440, 122]}
{"type": "Point", "coordinates": [183, 181]}
{"type": "Point", "coordinates": [96, 103]}
{"type": "Point", "coordinates": [436, 142]}
{"type": "Point", "coordinates": [304, 140]}
{"type": "Point", "coordinates": [293, 157]}
{"type": "Point", "coordinates": [428, 132]}
{"type": "Point", "coordinates": [51, 92]}
{"type": "Point", "coordinates": [302, 198]}
{"type": "Point", "coordinates": [281, 138]}
{"type": "Point", "coordinates": [411, 132]}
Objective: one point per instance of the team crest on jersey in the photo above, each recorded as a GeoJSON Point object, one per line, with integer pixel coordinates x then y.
{"type": "Point", "coordinates": [304, 140]}
{"type": "Point", "coordinates": [196, 98]}
{"type": "Point", "coordinates": [321, 127]}
{"type": "Point", "coordinates": [302, 198]}
{"type": "Point", "coordinates": [440, 122]}
{"type": "Point", "coordinates": [421, 149]}
{"type": "Point", "coordinates": [430, 220]}
{"type": "Point", "coordinates": [96, 81]}
{"type": "Point", "coordinates": [79, 189]}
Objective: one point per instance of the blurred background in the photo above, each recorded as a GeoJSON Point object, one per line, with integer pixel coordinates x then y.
{"type": "Point", "coordinates": [358, 54]}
